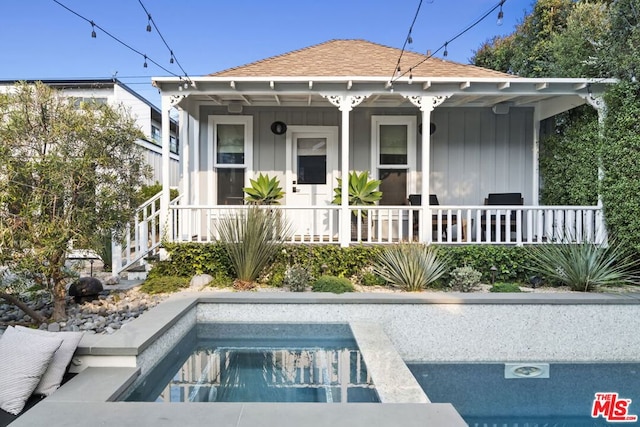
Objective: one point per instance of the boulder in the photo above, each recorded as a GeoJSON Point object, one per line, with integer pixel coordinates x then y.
{"type": "Point", "coordinates": [199, 281]}
{"type": "Point", "coordinates": [85, 289]}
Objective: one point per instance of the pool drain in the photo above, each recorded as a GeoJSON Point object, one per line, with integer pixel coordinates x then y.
{"type": "Point", "coordinates": [526, 370]}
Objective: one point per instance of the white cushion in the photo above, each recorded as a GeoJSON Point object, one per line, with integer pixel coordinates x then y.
{"type": "Point", "coordinates": [52, 377]}
{"type": "Point", "coordinates": [24, 358]}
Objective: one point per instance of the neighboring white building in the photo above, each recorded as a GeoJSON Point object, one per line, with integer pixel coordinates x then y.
{"type": "Point", "coordinates": [147, 116]}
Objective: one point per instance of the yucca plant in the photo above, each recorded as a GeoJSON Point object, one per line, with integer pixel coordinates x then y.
{"type": "Point", "coordinates": [264, 191]}
{"type": "Point", "coordinates": [411, 267]}
{"type": "Point", "coordinates": [252, 238]}
{"type": "Point", "coordinates": [585, 266]}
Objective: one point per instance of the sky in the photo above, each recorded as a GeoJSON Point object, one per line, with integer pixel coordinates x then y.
{"type": "Point", "coordinates": [43, 40]}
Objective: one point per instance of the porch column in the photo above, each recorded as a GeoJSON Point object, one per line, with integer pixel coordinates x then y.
{"type": "Point", "coordinates": [426, 104]}
{"type": "Point", "coordinates": [166, 226]}
{"type": "Point", "coordinates": [345, 104]}
{"type": "Point", "coordinates": [598, 103]}
{"type": "Point", "coordinates": [535, 155]}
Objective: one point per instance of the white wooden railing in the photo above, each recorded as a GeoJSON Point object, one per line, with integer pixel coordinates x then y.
{"type": "Point", "coordinates": [389, 224]}
{"type": "Point", "coordinates": [456, 225]}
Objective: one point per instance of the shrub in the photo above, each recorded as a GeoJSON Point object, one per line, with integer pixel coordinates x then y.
{"type": "Point", "coordinates": [337, 285]}
{"type": "Point", "coordinates": [252, 239]}
{"type": "Point", "coordinates": [164, 284]}
{"type": "Point", "coordinates": [584, 266]}
{"type": "Point", "coordinates": [465, 279]}
{"type": "Point", "coordinates": [369, 278]}
{"type": "Point", "coordinates": [189, 259]}
{"type": "Point", "coordinates": [297, 278]}
{"type": "Point", "coordinates": [411, 267]}
{"type": "Point", "coordinates": [511, 262]}
{"type": "Point", "coordinates": [505, 287]}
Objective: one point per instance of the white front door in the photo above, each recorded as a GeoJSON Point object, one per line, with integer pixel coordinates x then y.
{"type": "Point", "coordinates": [312, 163]}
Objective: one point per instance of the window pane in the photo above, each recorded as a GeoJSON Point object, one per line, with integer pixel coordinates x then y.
{"type": "Point", "coordinates": [173, 144]}
{"type": "Point", "coordinates": [393, 144]}
{"type": "Point", "coordinates": [230, 144]}
{"type": "Point", "coordinates": [393, 187]}
{"type": "Point", "coordinates": [312, 160]}
{"type": "Point", "coordinates": [230, 185]}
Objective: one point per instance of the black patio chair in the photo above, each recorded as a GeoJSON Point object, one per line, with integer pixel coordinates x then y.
{"type": "Point", "coordinates": [501, 199]}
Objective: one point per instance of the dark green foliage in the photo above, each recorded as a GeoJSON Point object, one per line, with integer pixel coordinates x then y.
{"type": "Point", "coordinates": [189, 259]}
{"type": "Point", "coordinates": [621, 163]}
{"type": "Point", "coordinates": [505, 287]}
{"type": "Point", "coordinates": [336, 285]}
{"type": "Point", "coordinates": [511, 261]}
{"type": "Point", "coordinates": [164, 284]}
{"type": "Point", "coordinates": [567, 160]}
{"type": "Point", "coordinates": [369, 278]}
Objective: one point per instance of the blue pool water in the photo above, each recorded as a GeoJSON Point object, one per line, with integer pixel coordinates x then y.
{"type": "Point", "coordinates": [227, 362]}
{"type": "Point", "coordinates": [484, 397]}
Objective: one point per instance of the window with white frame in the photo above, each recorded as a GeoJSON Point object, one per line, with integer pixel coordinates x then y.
{"type": "Point", "coordinates": [231, 141]}
{"type": "Point", "coordinates": [394, 157]}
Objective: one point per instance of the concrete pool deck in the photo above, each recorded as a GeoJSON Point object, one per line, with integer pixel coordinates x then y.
{"type": "Point", "coordinates": [417, 327]}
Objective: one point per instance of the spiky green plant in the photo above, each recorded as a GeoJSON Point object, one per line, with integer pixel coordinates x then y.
{"type": "Point", "coordinates": [362, 190]}
{"type": "Point", "coordinates": [411, 267]}
{"type": "Point", "coordinates": [264, 191]}
{"type": "Point", "coordinates": [585, 266]}
{"type": "Point", "coordinates": [252, 238]}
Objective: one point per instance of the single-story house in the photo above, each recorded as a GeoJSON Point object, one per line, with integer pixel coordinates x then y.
{"type": "Point", "coordinates": [423, 126]}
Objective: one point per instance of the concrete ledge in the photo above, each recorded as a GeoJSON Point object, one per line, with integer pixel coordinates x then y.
{"type": "Point", "coordinates": [95, 385]}
{"type": "Point", "coordinates": [417, 298]}
{"type": "Point", "coordinates": [130, 414]}
{"type": "Point", "coordinates": [133, 338]}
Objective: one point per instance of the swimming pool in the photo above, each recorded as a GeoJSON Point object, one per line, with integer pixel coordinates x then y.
{"type": "Point", "coordinates": [483, 396]}
{"type": "Point", "coordinates": [231, 362]}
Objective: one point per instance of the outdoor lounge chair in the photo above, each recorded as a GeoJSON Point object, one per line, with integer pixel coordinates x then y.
{"type": "Point", "coordinates": [501, 199]}
{"type": "Point", "coordinates": [416, 200]}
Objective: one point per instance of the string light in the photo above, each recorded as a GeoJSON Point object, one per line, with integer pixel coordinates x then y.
{"type": "Point", "coordinates": [94, 25]}
{"type": "Point", "coordinates": [408, 39]}
{"type": "Point", "coordinates": [148, 23]}
{"type": "Point", "coordinates": [93, 30]}
{"type": "Point", "coordinates": [172, 57]}
{"type": "Point", "coordinates": [446, 44]}
{"type": "Point", "coordinates": [500, 14]}
{"type": "Point", "coordinates": [145, 61]}
{"type": "Point", "coordinates": [410, 75]}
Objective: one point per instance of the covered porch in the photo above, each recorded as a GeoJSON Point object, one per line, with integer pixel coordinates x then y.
{"type": "Point", "coordinates": [423, 133]}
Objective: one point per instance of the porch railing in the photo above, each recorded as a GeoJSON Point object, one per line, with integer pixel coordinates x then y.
{"type": "Point", "coordinates": [456, 225]}
{"type": "Point", "coordinates": [435, 224]}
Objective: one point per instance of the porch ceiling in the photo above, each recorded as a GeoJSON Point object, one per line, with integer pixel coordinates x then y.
{"type": "Point", "coordinates": [311, 91]}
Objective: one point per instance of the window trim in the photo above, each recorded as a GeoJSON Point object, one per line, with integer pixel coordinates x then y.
{"type": "Point", "coordinates": [212, 163]}
{"type": "Point", "coordinates": [412, 153]}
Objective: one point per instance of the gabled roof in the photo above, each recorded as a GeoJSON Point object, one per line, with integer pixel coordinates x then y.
{"type": "Point", "coordinates": [346, 58]}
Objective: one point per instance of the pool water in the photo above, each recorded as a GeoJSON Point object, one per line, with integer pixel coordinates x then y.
{"type": "Point", "coordinates": [219, 362]}
{"type": "Point", "coordinates": [483, 396]}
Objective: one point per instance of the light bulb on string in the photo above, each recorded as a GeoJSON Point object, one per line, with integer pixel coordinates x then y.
{"type": "Point", "coordinates": [410, 75]}
{"type": "Point", "coordinates": [446, 52]}
{"type": "Point", "coordinates": [148, 23]}
{"type": "Point", "coordinates": [145, 61]}
{"type": "Point", "coordinates": [93, 30]}
{"type": "Point", "coordinates": [500, 14]}
{"type": "Point", "coordinates": [171, 59]}
{"type": "Point", "coordinates": [398, 72]}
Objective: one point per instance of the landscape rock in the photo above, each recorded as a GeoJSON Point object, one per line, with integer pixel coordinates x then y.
{"type": "Point", "coordinates": [85, 289]}
{"type": "Point", "coordinates": [200, 280]}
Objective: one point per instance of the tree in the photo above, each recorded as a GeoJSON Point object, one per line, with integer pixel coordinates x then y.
{"type": "Point", "coordinates": [68, 176]}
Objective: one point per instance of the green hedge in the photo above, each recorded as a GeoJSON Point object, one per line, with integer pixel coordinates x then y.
{"type": "Point", "coordinates": [188, 259]}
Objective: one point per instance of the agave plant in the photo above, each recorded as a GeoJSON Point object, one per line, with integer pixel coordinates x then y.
{"type": "Point", "coordinates": [411, 267]}
{"type": "Point", "coordinates": [264, 191]}
{"type": "Point", "coordinates": [252, 238]}
{"type": "Point", "coordinates": [585, 266]}
{"type": "Point", "coordinates": [362, 190]}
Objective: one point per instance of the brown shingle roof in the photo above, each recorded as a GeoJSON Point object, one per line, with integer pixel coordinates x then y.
{"type": "Point", "coordinates": [357, 58]}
